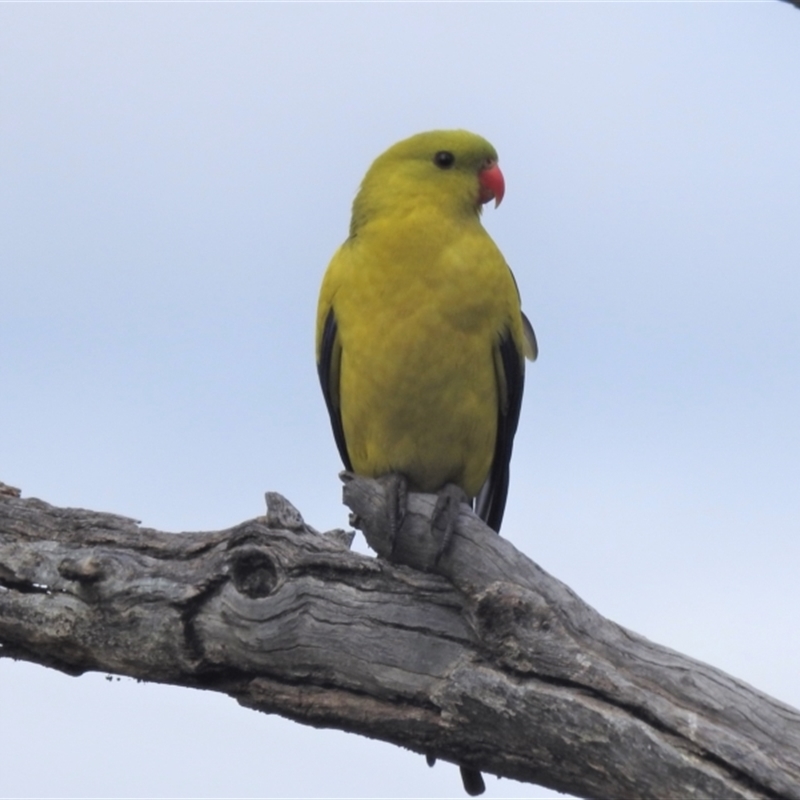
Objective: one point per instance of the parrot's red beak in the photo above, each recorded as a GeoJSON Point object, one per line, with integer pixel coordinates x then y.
{"type": "Point", "coordinates": [493, 184]}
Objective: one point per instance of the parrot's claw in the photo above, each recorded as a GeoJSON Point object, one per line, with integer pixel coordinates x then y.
{"type": "Point", "coordinates": [445, 515]}
{"type": "Point", "coordinates": [396, 505]}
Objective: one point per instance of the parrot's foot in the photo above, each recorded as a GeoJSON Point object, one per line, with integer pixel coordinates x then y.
{"type": "Point", "coordinates": [445, 517]}
{"type": "Point", "coordinates": [473, 781]}
{"type": "Point", "coordinates": [396, 503]}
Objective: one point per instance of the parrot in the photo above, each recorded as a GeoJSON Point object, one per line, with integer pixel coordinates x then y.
{"type": "Point", "coordinates": [420, 337]}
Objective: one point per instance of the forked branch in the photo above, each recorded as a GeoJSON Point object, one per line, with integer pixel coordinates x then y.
{"type": "Point", "coordinates": [478, 657]}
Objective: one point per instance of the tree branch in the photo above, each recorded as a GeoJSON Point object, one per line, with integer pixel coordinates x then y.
{"type": "Point", "coordinates": [490, 663]}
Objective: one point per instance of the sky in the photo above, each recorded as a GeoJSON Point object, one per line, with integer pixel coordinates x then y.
{"type": "Point", "coordinates": [175, 178]}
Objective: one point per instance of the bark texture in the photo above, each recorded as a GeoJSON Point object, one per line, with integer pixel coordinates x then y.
{"type": "Point", "coordinates": [474, 655]}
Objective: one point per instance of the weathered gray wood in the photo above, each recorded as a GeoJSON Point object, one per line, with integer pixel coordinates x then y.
{"type": "Point", "coordinates": [491, 663]}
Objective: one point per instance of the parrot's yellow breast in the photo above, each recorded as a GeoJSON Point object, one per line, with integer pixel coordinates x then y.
{"type": "Point", "coordinates": [420, 310]}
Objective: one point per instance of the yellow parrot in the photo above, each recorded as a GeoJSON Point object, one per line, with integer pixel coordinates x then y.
{"type": "Point", "coordinates": [421, 341]}
{"type": "Point", "coordinates": [420, 334]}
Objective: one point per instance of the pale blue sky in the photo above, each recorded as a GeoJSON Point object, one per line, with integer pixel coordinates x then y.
{"type": "Point", "coordinates": [173, 181]}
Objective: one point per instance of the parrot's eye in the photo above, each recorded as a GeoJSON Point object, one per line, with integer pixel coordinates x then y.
{"type": "Point", "coordinates": [444, 159]}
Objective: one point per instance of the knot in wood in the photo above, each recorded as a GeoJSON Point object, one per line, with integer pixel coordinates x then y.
{"type": "Point", "coordinates": [514, 623]}
{"type": "Point", "coordinates": [504, 609]}
{"type": "Point", "coordinates": [254, 572]}
{"type": "Point", "coordinates": [83, 570]}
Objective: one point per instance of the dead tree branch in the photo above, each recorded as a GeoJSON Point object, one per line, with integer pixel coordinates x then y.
{"type": "Point", "coordinates": [491, 662]}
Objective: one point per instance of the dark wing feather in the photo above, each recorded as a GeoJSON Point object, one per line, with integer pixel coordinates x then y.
{"type": "Point", "coordinates": [330, 357]}
{"type": "Point", "coordinates": [491, 501]}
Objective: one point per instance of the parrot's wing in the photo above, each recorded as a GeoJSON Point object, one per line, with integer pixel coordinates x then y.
{"type": "Point", "coordinates": [510, 369]}
{"type": "Point", "coordinates": [531, 345]}
{"type": "Point", "coordinates": [330, 358]}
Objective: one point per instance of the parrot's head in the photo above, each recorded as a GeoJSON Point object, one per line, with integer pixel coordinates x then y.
{"type": "Point", "coordinates": [454, 170]}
